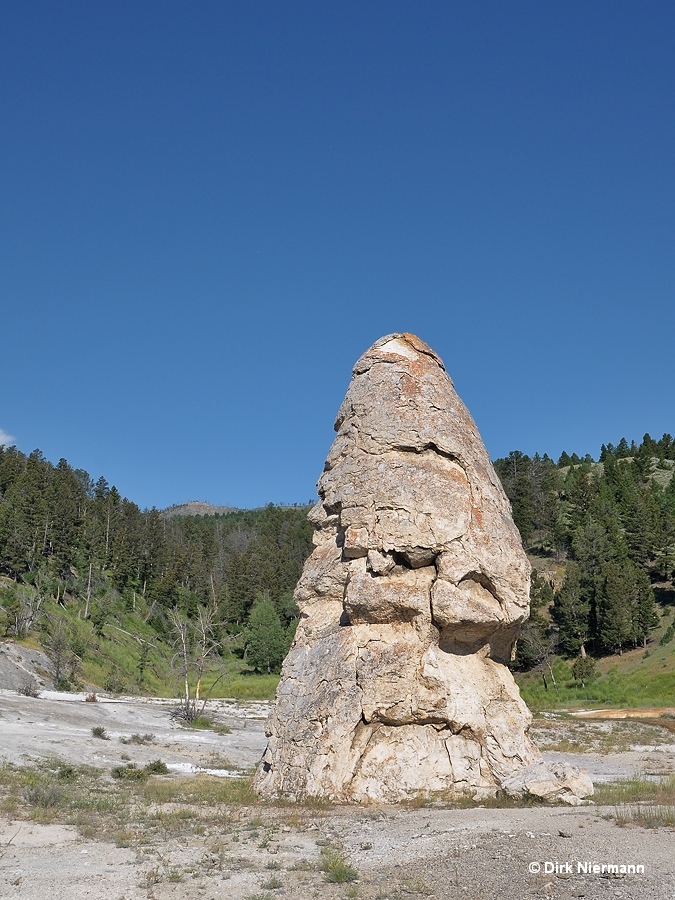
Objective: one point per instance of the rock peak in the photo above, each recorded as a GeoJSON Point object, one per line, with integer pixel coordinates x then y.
{"type": "Point", "coordinates": [398, 344]}
{"type": "Point", "coordinates": [410, 605]}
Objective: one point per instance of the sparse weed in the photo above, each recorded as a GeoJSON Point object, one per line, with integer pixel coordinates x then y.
{"type": "Point", "coordinates": [635, 790]}
{"type": "Point", "coordinates": [130, 772]}
{"type": "Point", "coordinates": [302, 865]}
{"type": "Point", "coordinates": [217, 761]}
{"type": "Point", "coordinates": [138, 739]}
{"type": "Point", "coordinates": [333, 863]}
{"type": "Point", "coordinates": [416, 886]}
{"type": "Point", "coordinates": [201, 790]}
{"type": "Point", "coordinates": [647, 816]}
{"type": "Point", "coordinates": [122, 837]}
{"type": "Point", "coordinates": [98, 731]}
{"type": "Point", "coordinates": [640, 801]}
{"type": "Point", "coordinates": [45, 795]}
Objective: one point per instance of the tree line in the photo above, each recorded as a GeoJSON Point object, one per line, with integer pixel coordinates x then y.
{"type": "Point", "coordinates": [612, 521]}
{"type": "Point", "coordinates": [67, 538]}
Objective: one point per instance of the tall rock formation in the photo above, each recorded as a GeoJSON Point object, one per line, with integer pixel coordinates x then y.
{"type": "Point", "coordinates": [410, 606]}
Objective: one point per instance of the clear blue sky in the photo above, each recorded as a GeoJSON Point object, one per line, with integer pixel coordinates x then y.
{"type": "Point", "coordinates": [209, 210]}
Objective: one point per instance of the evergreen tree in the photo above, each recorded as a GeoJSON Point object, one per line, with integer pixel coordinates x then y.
{"type": "Point", "coordinates": [265, 641]}
{"type": "Point", "coordinates": [571, 612]}
{"type": "Point", "coordinates": [614, 614]}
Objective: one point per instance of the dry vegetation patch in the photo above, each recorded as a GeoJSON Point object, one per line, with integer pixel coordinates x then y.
{"type": "Point", "coordinates": [564, 733]}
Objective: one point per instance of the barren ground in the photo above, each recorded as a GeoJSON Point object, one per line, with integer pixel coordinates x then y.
{"type": "Point", "coordinates": [182, 835]}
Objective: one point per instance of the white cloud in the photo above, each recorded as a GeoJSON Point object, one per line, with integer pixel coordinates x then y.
{"type": "Point", "coordinates": [5, 438]}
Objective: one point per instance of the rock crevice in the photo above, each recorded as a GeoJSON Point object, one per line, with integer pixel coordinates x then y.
{"type": "Point", "coordinates": [410, 605]}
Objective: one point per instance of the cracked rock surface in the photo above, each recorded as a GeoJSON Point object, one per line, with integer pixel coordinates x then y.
{"type": "Point", "coordinates": [410, 605]}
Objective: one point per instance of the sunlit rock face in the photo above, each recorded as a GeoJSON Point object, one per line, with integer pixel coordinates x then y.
{"type": "Point", "coordinates": [410, 604]}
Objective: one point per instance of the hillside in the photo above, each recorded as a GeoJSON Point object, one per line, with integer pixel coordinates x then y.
{"type": "Point", "coordinates": [105, 588]}
{"type": "Point", "coordinates": [196, 508]}
{"type": "Point", "coordinates": [100, 583]}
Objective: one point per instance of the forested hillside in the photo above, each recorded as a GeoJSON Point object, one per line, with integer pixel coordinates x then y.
{"type": "Point", "coordinates": [106, 587]}
{"type": "Point", "coordinates": [612, 524]}
{"type": "Point", "coordinates": [73, 544]}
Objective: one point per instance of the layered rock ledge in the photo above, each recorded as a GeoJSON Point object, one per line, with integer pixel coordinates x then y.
{"type": "Point", "coordinates": [411, 604]}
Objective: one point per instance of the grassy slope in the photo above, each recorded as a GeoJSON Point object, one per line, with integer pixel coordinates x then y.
{"type": "Point", "coordinates": [637, 678]}
{"type": "Point", "coordinates": [112, 662]}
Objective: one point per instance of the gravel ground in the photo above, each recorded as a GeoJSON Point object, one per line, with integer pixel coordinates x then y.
{"type": "Point", "coordinates": [268, 851]}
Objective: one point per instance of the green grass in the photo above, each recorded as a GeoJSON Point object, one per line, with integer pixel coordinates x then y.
{"type": "Point", "coordinates": [201, 790]}
{"type": "Point", "coordinates": [241, 685]}
{"type": "Point", "coordinates": [633, 680]}
{"type": "Point", "coordinates": [636, 790]}
{"type": "Point", "coordinates": [333, 863]}
{"type": "Point", "coordinates": [639, 801]}
{"type": "Point", "coordinates": [111, 661]}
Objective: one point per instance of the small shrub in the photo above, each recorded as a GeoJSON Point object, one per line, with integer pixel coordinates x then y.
{"type": "Point", "coordinates": [98, 731]}
{"type": "Point", "coordinates": [334, 865]}
{"type": "Point", "coordinates": [29, 689]}
{"type": "Point", "coordinates": [584, 670]}
{"type": "Point", "coordinates": [273, 883]}
{"type": "Point", "coordinates": [201, 722]}
{"type": "Point", "coordinates": [223, 729]}
{"type": "Point", "coordinates": [130, 772]}
{"type": "Point", "coordinates": [301, 865]}
{"type": "Point", "coordinates": [115, 682]}
{"type": "Point", "coordinates": [44, 795]}
{"type": "Point", "coordinates": [157, 767]}
{"type": "Point", "coordinates": [217, 761]}
{"type": "Point", "coordinates": [138, 739]}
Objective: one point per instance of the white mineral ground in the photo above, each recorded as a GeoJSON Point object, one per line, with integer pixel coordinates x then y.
{"type": "Point", "coordinates": [399, 851]}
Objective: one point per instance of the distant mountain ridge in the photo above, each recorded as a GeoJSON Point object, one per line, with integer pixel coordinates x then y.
{"type": "Point", "coordinates": [202, 508]}
{"type": "Point", "coordinates": [196, 508]}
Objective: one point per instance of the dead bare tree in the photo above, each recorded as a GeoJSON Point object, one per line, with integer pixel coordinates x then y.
{"type": "Point", "coordinates": [197, 654]}
{"type": "Point", "coordinates": [542, 645]}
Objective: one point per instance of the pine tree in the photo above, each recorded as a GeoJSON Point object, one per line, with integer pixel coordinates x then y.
{"type": "Point", "coordinates": [614, 607]}
{"type": "Point", "coordinates": [571, 612]}
{"type": "Point", "coordinates": [264, 639]}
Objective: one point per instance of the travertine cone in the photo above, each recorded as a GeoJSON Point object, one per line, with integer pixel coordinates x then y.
{"type": "Point", "coordinates": [410, 605]}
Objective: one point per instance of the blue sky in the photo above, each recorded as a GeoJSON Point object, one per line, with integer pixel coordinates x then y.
{"type": "Point", "coordinates": [208, 211]}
